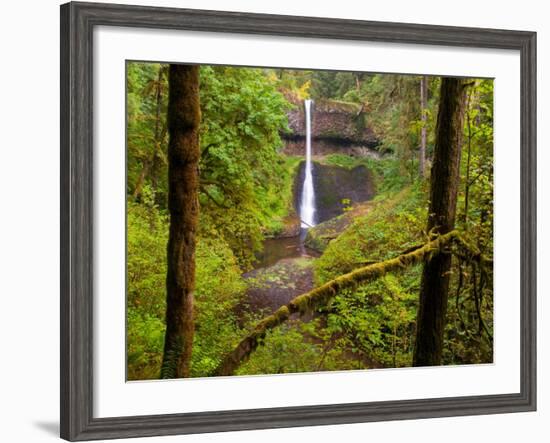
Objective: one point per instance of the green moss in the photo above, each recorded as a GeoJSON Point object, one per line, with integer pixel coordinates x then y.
{"type": "Point", "coordinates": [331, 105]}
{"type": "Point", "coordinates": [394, 223]}
{"type": "Point", "coordinates": [280, 201]}
{"type": "Point", "coordinates": [344, 161]}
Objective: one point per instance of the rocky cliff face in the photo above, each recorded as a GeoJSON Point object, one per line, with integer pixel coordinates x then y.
{"type": "Point", "coordinates": [333, 185]}
{"type": "Point", "coordinates": [335, 127]}
{"type": "Point", "coordinates": [323, 147]}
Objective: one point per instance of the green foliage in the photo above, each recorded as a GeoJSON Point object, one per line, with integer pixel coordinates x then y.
{"type": "Point", "coordinates": [219, 288]}
{"type": "Point", "coordinates": [344, 161]}
{"type": "Point", "coordinates": [241, 168]}
{"type": "Point", "coordinates": [376, 322]}
{"type": "Point", "coordinates": [146, 265]}
{"type": "Point", "coordinates": [475, 206]}
{"type": "Point", "coordinates": [145, 341]}
{"type": "Point", "coordinates": [299, 346]}
{"type": "Point", "coordinates": [467, 340]}
{"type": "Point", "coordinates": [469, 337]}
{"type": "Point", "coordinates": [283, 350]}
{"type": "Point", "coordinates": [279, 200]}
{"type": "Point", "coordinates": [295, 85]}
{"type": "Point", "coordinates": [336, 85]}
{"type": "Point", "coordinates": [394, 224]}
{"type": "Point", "coordinates": [147, 101]}
{"type": "Point", "coordinates": [394, 105]}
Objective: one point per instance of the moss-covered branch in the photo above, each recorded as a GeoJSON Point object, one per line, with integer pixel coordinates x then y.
{"type": "Point", "coordinates": [321, 295]}
{"type": "Point", "coordinates": [471, 252]}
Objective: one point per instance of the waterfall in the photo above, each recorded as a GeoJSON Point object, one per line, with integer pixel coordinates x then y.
{"type": "Point", "coordinates": [307, 207]}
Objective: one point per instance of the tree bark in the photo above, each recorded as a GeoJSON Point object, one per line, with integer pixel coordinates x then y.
{"type": "Point", "coordinates": [423, 118]}
{"type": "Point", "coordinates": [445, 177]}
{"type": "Point", "coordinates": [468, 161]}
{"type": "Point", "coordinates": [183, 185]}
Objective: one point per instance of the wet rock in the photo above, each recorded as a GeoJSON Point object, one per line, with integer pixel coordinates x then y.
{"type": "Point", "coordinates": [296, 147]}
{"type": "Point", "coordinates": [274, 286]}
{"type": "Point", "coordinates": [336, 188]}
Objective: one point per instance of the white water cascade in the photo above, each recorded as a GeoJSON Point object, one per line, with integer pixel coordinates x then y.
{"type": "Point", "coordinates": [307, 208]}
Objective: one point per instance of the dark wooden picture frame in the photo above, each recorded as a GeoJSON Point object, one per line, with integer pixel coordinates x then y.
{"type": "Point", "coordinates": [77, 24]}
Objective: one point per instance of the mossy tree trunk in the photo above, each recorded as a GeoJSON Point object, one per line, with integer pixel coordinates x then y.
{"type": "Point", "coordinates": [445, 177]}
{"type": "Point", "coordinates": [183, 184]}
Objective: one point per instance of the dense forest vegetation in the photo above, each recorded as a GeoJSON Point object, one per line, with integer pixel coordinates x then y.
{"type": "Point", "coordinates": [223, 275]}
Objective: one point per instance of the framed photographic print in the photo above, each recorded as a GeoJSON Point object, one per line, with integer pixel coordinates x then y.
{"type": "Point", "coordinates": [273, 221]}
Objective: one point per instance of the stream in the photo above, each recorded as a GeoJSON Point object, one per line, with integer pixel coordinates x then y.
{"type": "Point", "coordinates": [284, 270]}
{"type": "Point", "coordinates": [276, 249]}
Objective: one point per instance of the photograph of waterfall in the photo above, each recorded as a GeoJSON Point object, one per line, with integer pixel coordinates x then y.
{"type": "Point", "coordinates": [288, 221]}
